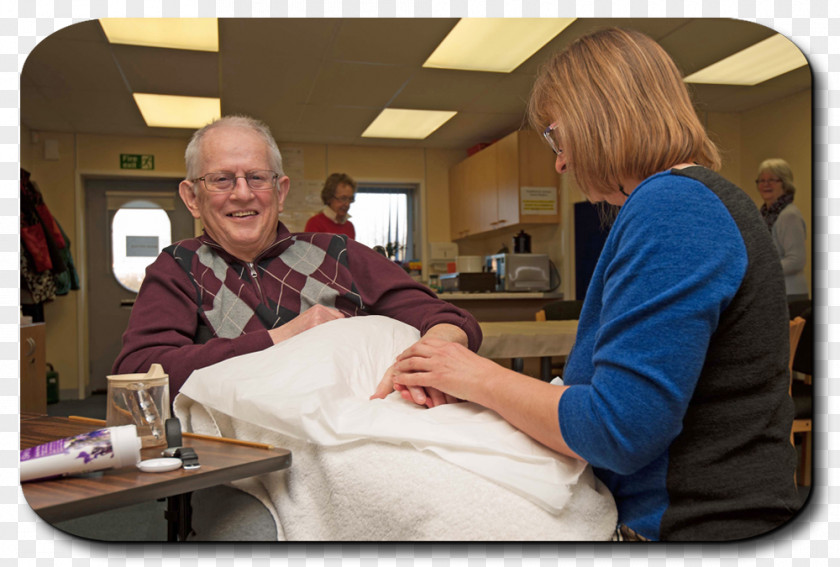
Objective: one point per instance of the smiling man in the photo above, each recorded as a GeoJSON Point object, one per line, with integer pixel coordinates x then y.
{"type": "Point", "coordinates": [247, 282]}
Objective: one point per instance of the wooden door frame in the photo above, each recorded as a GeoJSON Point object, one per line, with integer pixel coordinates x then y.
{"type": "Point", "coordinates": [82, 323]}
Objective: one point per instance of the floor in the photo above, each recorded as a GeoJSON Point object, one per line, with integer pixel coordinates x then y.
{"type": "Point", "coordinates": [94, 406]}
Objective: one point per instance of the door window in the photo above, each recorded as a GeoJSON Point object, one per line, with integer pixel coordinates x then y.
{"type": "Point", "coordinates": [139, 231]}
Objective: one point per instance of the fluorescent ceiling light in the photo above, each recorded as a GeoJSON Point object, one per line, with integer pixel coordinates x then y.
{"type": "Point", "coordinates": [407, 124]}
{"type": "Point", "coordinates": [199, 34]}
{"type": "Point", "coordinates": [498, 45]}
{"type": "Point", "coordinates": [169, 111]}
{"type": "Point", "coordinates": [766, 59]}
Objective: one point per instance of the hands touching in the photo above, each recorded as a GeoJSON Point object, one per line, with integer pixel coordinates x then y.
{"type": "Point", "coordinates": [423, 373]}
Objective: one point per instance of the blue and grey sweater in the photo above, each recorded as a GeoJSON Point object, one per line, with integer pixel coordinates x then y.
{"type": "Point", "coordinates": [679, 381]}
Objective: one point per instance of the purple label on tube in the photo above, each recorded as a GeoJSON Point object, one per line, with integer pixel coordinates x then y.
{"type": "Point", "coordinates": [90, 446]}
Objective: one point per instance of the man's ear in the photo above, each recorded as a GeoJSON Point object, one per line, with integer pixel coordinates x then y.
{"type": "Point", "coordinates": [283, 185]}
{"type": "Point", "coordinates": [188, 196]}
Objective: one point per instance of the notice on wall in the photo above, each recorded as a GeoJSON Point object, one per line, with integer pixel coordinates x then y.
{"type": "Point", "coordinates": [137, 161]}
{"type": "Point", "coordinates": [141, 246]}
{"type": "Point", "coordinates": [538, 200]}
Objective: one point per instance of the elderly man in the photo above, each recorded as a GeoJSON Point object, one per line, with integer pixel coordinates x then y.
{"type": "Point", "coordinates": [338, 194]}
{"type": "Point", "coordinates": [248, 283]}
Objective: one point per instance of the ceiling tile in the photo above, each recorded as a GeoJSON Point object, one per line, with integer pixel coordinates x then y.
{"type": "Point", "coordinates": [358, 84]}
{"type": "Point", "coordinates": [394, 41]}
{"type": "Point", "coordinates": [168, 71]}
{"type": "Point", "coordinates": [444, 89]}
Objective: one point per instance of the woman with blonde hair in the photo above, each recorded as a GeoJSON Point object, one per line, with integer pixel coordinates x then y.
{"type": "Point", "coordinates": [676, 391]}
{"type": "Point", "coordinates": [774, 182]}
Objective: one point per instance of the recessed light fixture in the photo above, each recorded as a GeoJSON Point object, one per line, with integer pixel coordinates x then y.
{"type": "Point", "coordinates": [170, 111]}
{"type": "Point", "coordinates": [198, 34]}
{"type": "Point", "coordinates": [760, 62]}
{"type": "Point", "coordinates": [407, 123]}
{"type": "Point", "coordinates": [494, 44]}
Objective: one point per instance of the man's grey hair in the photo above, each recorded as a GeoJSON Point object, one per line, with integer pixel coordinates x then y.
{"type": "Point", "coordinates": [192, 156]}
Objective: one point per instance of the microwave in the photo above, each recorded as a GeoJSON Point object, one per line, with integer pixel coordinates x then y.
{"type": "Point", "coordinates": [520, 272]}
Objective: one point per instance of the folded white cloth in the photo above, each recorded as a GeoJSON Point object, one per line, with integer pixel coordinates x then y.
{"type": "Point", "coordinates": [386, 469]}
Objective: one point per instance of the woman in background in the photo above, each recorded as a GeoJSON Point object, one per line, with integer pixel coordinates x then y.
{"type": "Point", "coordinates": [676, 391]}
{"type": "Point", "coordinates": [338, 194]}
{"type": "Point", "coordinates": [774, 182]}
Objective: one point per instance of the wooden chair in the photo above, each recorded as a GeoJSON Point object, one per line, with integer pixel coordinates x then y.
{"type": "Point", "coordinates": [800, 425]}
{"type": "Point", "coordinates": [563, 310]}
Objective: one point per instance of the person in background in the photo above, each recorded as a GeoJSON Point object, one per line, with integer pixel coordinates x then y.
{"type": "Point", "coordinates": [774, 182]}
{"type": "Point", "coordinates": [338, 194]}
{"type": "Point", "coordinates": [247, 283]}
{"type": "Point", "coordinates": [676, 390]}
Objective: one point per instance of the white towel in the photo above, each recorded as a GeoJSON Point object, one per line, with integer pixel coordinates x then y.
{"type": "Point", "coordinates": [386, 470]}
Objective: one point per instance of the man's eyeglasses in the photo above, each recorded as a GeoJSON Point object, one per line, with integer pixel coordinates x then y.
{"type": "Point", "coordinates": [345, 199]}
{"type": "Point", "coordinates": [225, 181]}
{"type": "Point", "coordinates": [547, 134]}
{"type": "Point", "coordinates": [768, 180]}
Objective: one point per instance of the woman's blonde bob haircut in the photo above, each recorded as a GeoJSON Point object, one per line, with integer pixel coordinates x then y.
{"type": "Point", "coordinates": [781, 169]}
{"type": "Point", "coordinates": [621, 108]}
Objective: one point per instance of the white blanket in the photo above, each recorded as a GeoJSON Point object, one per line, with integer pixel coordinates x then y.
{"type": "Point", "coordinates": [385, 469]}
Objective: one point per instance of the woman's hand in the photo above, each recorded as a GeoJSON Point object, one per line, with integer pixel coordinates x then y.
{"type": "Point", "coordinates": [447, 367]}
{"type": "Point", "coordinates": [429, 397]}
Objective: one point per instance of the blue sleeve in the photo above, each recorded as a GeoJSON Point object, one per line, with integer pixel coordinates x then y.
{"type": "Point", "coordinates": [673, 261]}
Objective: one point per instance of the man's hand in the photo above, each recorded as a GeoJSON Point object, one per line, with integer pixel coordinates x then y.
{"type": "Point", "coordinates": [423, 396]}
{"type": "Point", "coordinates": [312, 317]}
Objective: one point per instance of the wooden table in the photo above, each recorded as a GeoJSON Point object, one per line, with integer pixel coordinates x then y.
{"type": "Point", "coordinates": [525, 339]}
{"type": "Point", "coordinates": [222, 460]}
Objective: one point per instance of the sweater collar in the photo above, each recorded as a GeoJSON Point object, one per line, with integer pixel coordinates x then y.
{"type": "Point", "coordinates": [282, 235]}
{"type": "Point", "coordinates": [330, 214]}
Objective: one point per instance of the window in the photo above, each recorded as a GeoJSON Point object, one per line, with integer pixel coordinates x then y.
{"type": "Point", "coordinates": [383, 215]}
{"type": "Point", "coordinates": [139, 231]}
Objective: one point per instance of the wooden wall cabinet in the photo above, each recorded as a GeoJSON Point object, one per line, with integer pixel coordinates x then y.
{"type": "Point", "coordinates": [485, 188]}
{"type": "Point", "coordinates": [33, 368]}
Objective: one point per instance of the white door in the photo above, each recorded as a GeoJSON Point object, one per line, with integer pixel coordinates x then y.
{"type": "Point", "coordinates": [128, 222]}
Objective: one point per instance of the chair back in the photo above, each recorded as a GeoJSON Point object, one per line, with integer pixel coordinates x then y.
{"type": "Point", "coordinates": [796, 326]}
{"type": "Point", "coordinates": [562, 310]}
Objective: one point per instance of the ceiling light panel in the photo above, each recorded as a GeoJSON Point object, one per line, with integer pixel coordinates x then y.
{"type": "Point", "coordinates": [198, 34]}
{"type": "Point", "coordinates": [169, 111]}
{"type": "Point", "coordinates": [497, 45]}
{"type": "Point", "coordinates": [407, 124]}
{"type": "Point", "coordinates": [760, 62]}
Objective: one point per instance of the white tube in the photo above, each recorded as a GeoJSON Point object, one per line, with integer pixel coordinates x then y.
{"type": "Point", "coordinates": [108, 448]}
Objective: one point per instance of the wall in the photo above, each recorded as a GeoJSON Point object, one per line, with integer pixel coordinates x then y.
{"type": "Point", "coordinates": [83, 155]}
{"type": "Point", "coordinates": [56, 180]}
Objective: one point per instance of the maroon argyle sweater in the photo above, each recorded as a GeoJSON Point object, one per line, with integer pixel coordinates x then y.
{"type": "Point", "coordinates": [199, 305]}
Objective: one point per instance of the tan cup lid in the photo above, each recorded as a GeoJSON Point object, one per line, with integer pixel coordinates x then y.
{"type": "Point", "coordinates": [155, 373]}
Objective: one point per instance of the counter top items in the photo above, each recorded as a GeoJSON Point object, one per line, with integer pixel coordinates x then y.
{"type": "Point", "coordinates": [521, 272]}
{"type": "Point", "coordinates": [522, 243]}
{"type": "Point", "coordinates": [468, 281]}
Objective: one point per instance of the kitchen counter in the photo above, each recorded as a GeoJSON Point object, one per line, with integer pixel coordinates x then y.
{"type": "Point", "coordinates": [486, 295]}
{"type": "Point", "coordinates": [501, 306]}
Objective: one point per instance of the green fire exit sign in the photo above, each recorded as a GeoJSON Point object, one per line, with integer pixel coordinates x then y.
{"type": "Point", "coordinates": [137, 161]}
